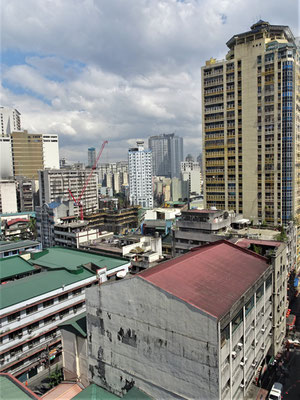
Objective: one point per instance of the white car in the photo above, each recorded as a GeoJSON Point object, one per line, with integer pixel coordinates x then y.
{"type": "Point", "coordinates": [276, 391]}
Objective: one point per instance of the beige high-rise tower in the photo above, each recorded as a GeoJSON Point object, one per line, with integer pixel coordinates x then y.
{"type": "Point", "coordinates": [251, 126]}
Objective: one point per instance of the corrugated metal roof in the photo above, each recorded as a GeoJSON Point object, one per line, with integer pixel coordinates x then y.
{"type": "Point", "coordinates": [77, 323]}
{"type": "Point", "coordinates": [245, 243]}
{"type": "Point", "coordinates": [211, 278]}
{"type": "Point", "coordinates": [6, 246]}
{"type": "Point", "coordinates": [12, 266]}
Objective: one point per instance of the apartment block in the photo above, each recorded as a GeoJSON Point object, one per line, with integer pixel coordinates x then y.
{"type": "Point", "coordinates": [55, 184]}
{"type": "Point", "coordinates": [140, 176]}
{"type": "Point", "coordinates": [251, 130]}
{"type": "Point", "coordinates": [10, 121]}
{"type": "Point", "coordinates": [183, 332]}
{"type": "Point", "coordinates": [32, 307]}
{"type": "Point", "coordinates": [8, 197]}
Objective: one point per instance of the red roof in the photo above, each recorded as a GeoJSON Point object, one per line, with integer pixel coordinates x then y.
{"type": "Point", "coordinates": [16, 220]}
{"type": "Point", "coordinates": [245, 243]}
{"type": "Point", "coordinates": [211, 278]}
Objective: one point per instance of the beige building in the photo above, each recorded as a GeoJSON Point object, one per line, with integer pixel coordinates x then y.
{"type": "Point", "coordinates": [251, 115]}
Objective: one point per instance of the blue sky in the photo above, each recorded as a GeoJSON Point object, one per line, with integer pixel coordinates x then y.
{"type": "Point", "coordinates": [95, 70]}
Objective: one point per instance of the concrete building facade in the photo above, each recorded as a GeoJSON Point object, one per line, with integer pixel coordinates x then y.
{"type": "Point", "coordinates": [176, 333]}
{"type": "Point", "coordinates": [54, 186]}
{"type": "Point", "coordinates": [251, 111]}
{"type": "Point", "coordinates": [8, 197]}
{"type": "Point", "coordinates": [167, 153]}
{"type": "Point", "coordinates": [10, 121]}
{"type": "Point", "coordinates": [140, 176]}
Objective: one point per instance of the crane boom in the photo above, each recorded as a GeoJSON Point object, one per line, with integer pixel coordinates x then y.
{"type": "Point", "coordinates": [93, 168]}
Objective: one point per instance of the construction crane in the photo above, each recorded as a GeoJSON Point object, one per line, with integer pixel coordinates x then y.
{"type": "Point", "coordinates": [78, 201]}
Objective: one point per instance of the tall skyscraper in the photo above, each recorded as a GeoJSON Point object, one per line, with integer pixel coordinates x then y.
{"type": "Point", "coordinates": [91, 156]}
{"type": "Point", "coordinates": [167, 153]}
{"type": "Point", "coordinates": [251, 130]}
{"type": "Point", "coordinates": [140, 176]}
{"type": "Point", "coordinates": [10, 120]}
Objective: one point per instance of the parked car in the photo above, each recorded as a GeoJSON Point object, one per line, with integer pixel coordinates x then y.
{"type": "Point", "coordinates": [276, 391]}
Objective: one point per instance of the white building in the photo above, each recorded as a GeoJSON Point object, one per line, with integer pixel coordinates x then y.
{"type": "Point", "coordinates": [8, 197]}
{"type": "Point", "coordinates": [51, 151]}
{"type": "Point", "coordinates": [6, 165]}
{"type": "Point", "coordinates": [55, 184]}
{"type": "Point", "coordinates": [10, 120]}
{"type": "Point", "coordinates": [191, 172]}
{"type": "Point", "coordinates": [140, 176]}
{"type": "Point", "coordinates": [75, 233]}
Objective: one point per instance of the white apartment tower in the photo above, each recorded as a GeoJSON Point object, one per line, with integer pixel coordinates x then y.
{"type": "Point", "coordinates": [10, 121]}
{"type": "Point", "coordinates": [140, 176]}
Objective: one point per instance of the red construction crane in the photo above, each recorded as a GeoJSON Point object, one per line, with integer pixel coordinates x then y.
{"type": "Point", "coordinates": [78, 201]}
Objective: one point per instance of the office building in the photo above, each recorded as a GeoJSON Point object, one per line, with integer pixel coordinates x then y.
{"type": "Point", "coordinates": [10, 121]}
{"type": "Point", "coordinates": [54, 186]}
{"type": "Point", "coordinates": [91, 156]}
{"type": "Point", "coordinates": [140, 176]}
{"type": "Point", "coordinates": [189, 337]}
{"type": "Point", "coordinates": [191, 172]}
{"type": "Point", "coordinates": [251, 131]}
{"type": "Point", "coordinates": [6, 164]}
{"type": "Point", "coordinates": [167, 154]}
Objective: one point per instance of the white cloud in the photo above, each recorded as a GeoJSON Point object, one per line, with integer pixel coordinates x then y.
{"type": "Point", "coordinates": [119, 70]}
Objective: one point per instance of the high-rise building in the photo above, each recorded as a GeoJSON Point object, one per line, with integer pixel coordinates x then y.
{"type": "Point", "coordinates": [54, 185]}
{"type": "Point", "coordinates": [91, 156]}
{"type": "Point", "coordinates": [23, 154]}
{"type": "Point", "coordinates": [140, 176]}
{"type": "Point", "coordinates": [167, 154]}
{"type": "Point", "coordinates": [251, 130]}
{"type": "Point", "coordinates": [191, 172]}
{"type": "Point", "coordinates": [10, 120]}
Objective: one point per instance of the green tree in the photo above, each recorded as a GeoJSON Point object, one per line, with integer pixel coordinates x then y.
{"type": "Point", "coordinates": [55, 377]}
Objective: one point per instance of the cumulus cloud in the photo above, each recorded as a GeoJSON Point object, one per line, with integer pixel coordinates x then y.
{"type": "Point", "coordinates": [96, 70]}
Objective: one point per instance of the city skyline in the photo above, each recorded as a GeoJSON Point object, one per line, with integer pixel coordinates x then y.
{"type": "Point", "coordinates": [145, 82]}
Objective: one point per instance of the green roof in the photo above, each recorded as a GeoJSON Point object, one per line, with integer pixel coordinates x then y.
{"type": "Point", "coordinates": [38, 284]}
{"type": "Point", "coordinates": [76, 325]}
{"type": "Point", "coordinates": [71, 259]}
{"type": "Point", "coordinates": [6, 246]}
{"type": "Point", "coordinates": [9, 390]}
{"type": "Point", "coordinates": [14, 265]}
{"type": "Point", "coordinates": [95, 392]}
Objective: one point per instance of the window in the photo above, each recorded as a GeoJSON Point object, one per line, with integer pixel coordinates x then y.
{"type": "Point", "coordinates": [269, 281]}
{"type": "Point", "coordinates": [260, 292]}
{"type": "Point", "coordinates": [249, 305]}
{"type": "Point", "coordinates": [224, 335]}
{"type": "Point", "coordinates": [31, 310]}
{"type": "Point", "coordinates": [63, 297]}
{"type": "Point", "coordinates": [237, 320]}
{"type": "Point", "coordinates": [48, 303]}
{"type": "Point", "coordinates": [13, 317]}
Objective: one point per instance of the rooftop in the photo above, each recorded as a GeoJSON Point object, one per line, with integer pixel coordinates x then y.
{"type": "Point", "coordinates": [245, 243]}
{"type": "Point", "coordinates": [211, 278]}
{"type": "Point", "coordinates": [12, 389]}
{"type": "Point", "coordinates": [7, 246]}
{"type": "Point", "coordinates": [95, 392]}
{"type": "Point", "coordinates": [12, 266]}
{"type": "Point", "coordinates": [71, 259]}
{"type": "Point", "coordinates": [39, 284]}
{"type": "Point", "coordinates": [76, 325]}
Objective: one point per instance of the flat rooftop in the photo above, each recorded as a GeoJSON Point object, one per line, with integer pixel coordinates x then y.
{"type": "Point", "coordinates": [211, 278]}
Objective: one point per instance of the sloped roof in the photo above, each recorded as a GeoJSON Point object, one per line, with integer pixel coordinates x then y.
{"type": "Point", "coordinates": [76, 324]}
{"type": "Point", "coordinates": [95, 392]}
{"type": "Point", "coordinates": [211, 278]}
{"type": "Point", "coordinates": [16, 220]}
{"type": "Point", "coordinates": [71, 259]}
{"type": "Point", "coordinates": [14, 265]}
{"type": "Point", "coordinates": [7, 245]}
{"type": "Point", "coordinates": [12, 389]}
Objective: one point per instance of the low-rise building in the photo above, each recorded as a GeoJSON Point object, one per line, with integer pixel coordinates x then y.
{"type": "Point", "coordinates": [52, 292]}
{"type": "Point", "coordinates": [8, 249]}
{"type": "Point", "coordinates": [75, 233]}
{"type": "Point", "coordinates": [198, 326]}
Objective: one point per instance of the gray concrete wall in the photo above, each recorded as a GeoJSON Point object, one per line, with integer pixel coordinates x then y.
{"type": "Point", "coordinates": [141, 335]}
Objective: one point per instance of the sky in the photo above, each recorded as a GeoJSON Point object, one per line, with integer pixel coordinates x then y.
{"type": "Point", "coordinates": [119, 70]}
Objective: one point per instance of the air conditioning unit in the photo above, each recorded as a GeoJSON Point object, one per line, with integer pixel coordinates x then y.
{"type": "Point", "coordinates": [29, 330]}
{"type": "Point", "coordinates": [242, 386]}
{"type": "Point", "coordinates": [240, 345]}
{"type": "Point", "coordinates": [254, 364]}
{"type": "Point", "coordinates": [277, 341]}
{"type": "Point", "coordinates": [270, 333]}
{"type": "Point", "coordinates": [263, 347]}
{"type": "Point", "coordinates": [256, 341]}
{"type": "Point", "coordinates": [19, 318]}
{"type": "Point", "coordinates": [233, 354]}
{"type": "Point", "coordinates": [263, 330]}
{"type": "Point", "coordinates": [270, 317]}
{"type": "Point", "coordinates": [242, 364]}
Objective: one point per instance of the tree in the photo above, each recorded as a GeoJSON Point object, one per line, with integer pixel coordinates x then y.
{"type": "Point", "coordinates": [55, 377]}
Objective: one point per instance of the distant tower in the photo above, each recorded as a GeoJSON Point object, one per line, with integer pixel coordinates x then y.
{"type": "Point", "coordinates": [167, 151]}
{"type": "Point", "coordinates": [189, 158]}
{"type": "Point", "coordinates": [91, 156]}
{"type": "Point", "coordinates": [10, 121]}
{"type": "Point", "coordinates": [140, 176]}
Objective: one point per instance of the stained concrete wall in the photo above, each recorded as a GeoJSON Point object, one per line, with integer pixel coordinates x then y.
{"type": "Point", "coordinates": [141, 335]}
